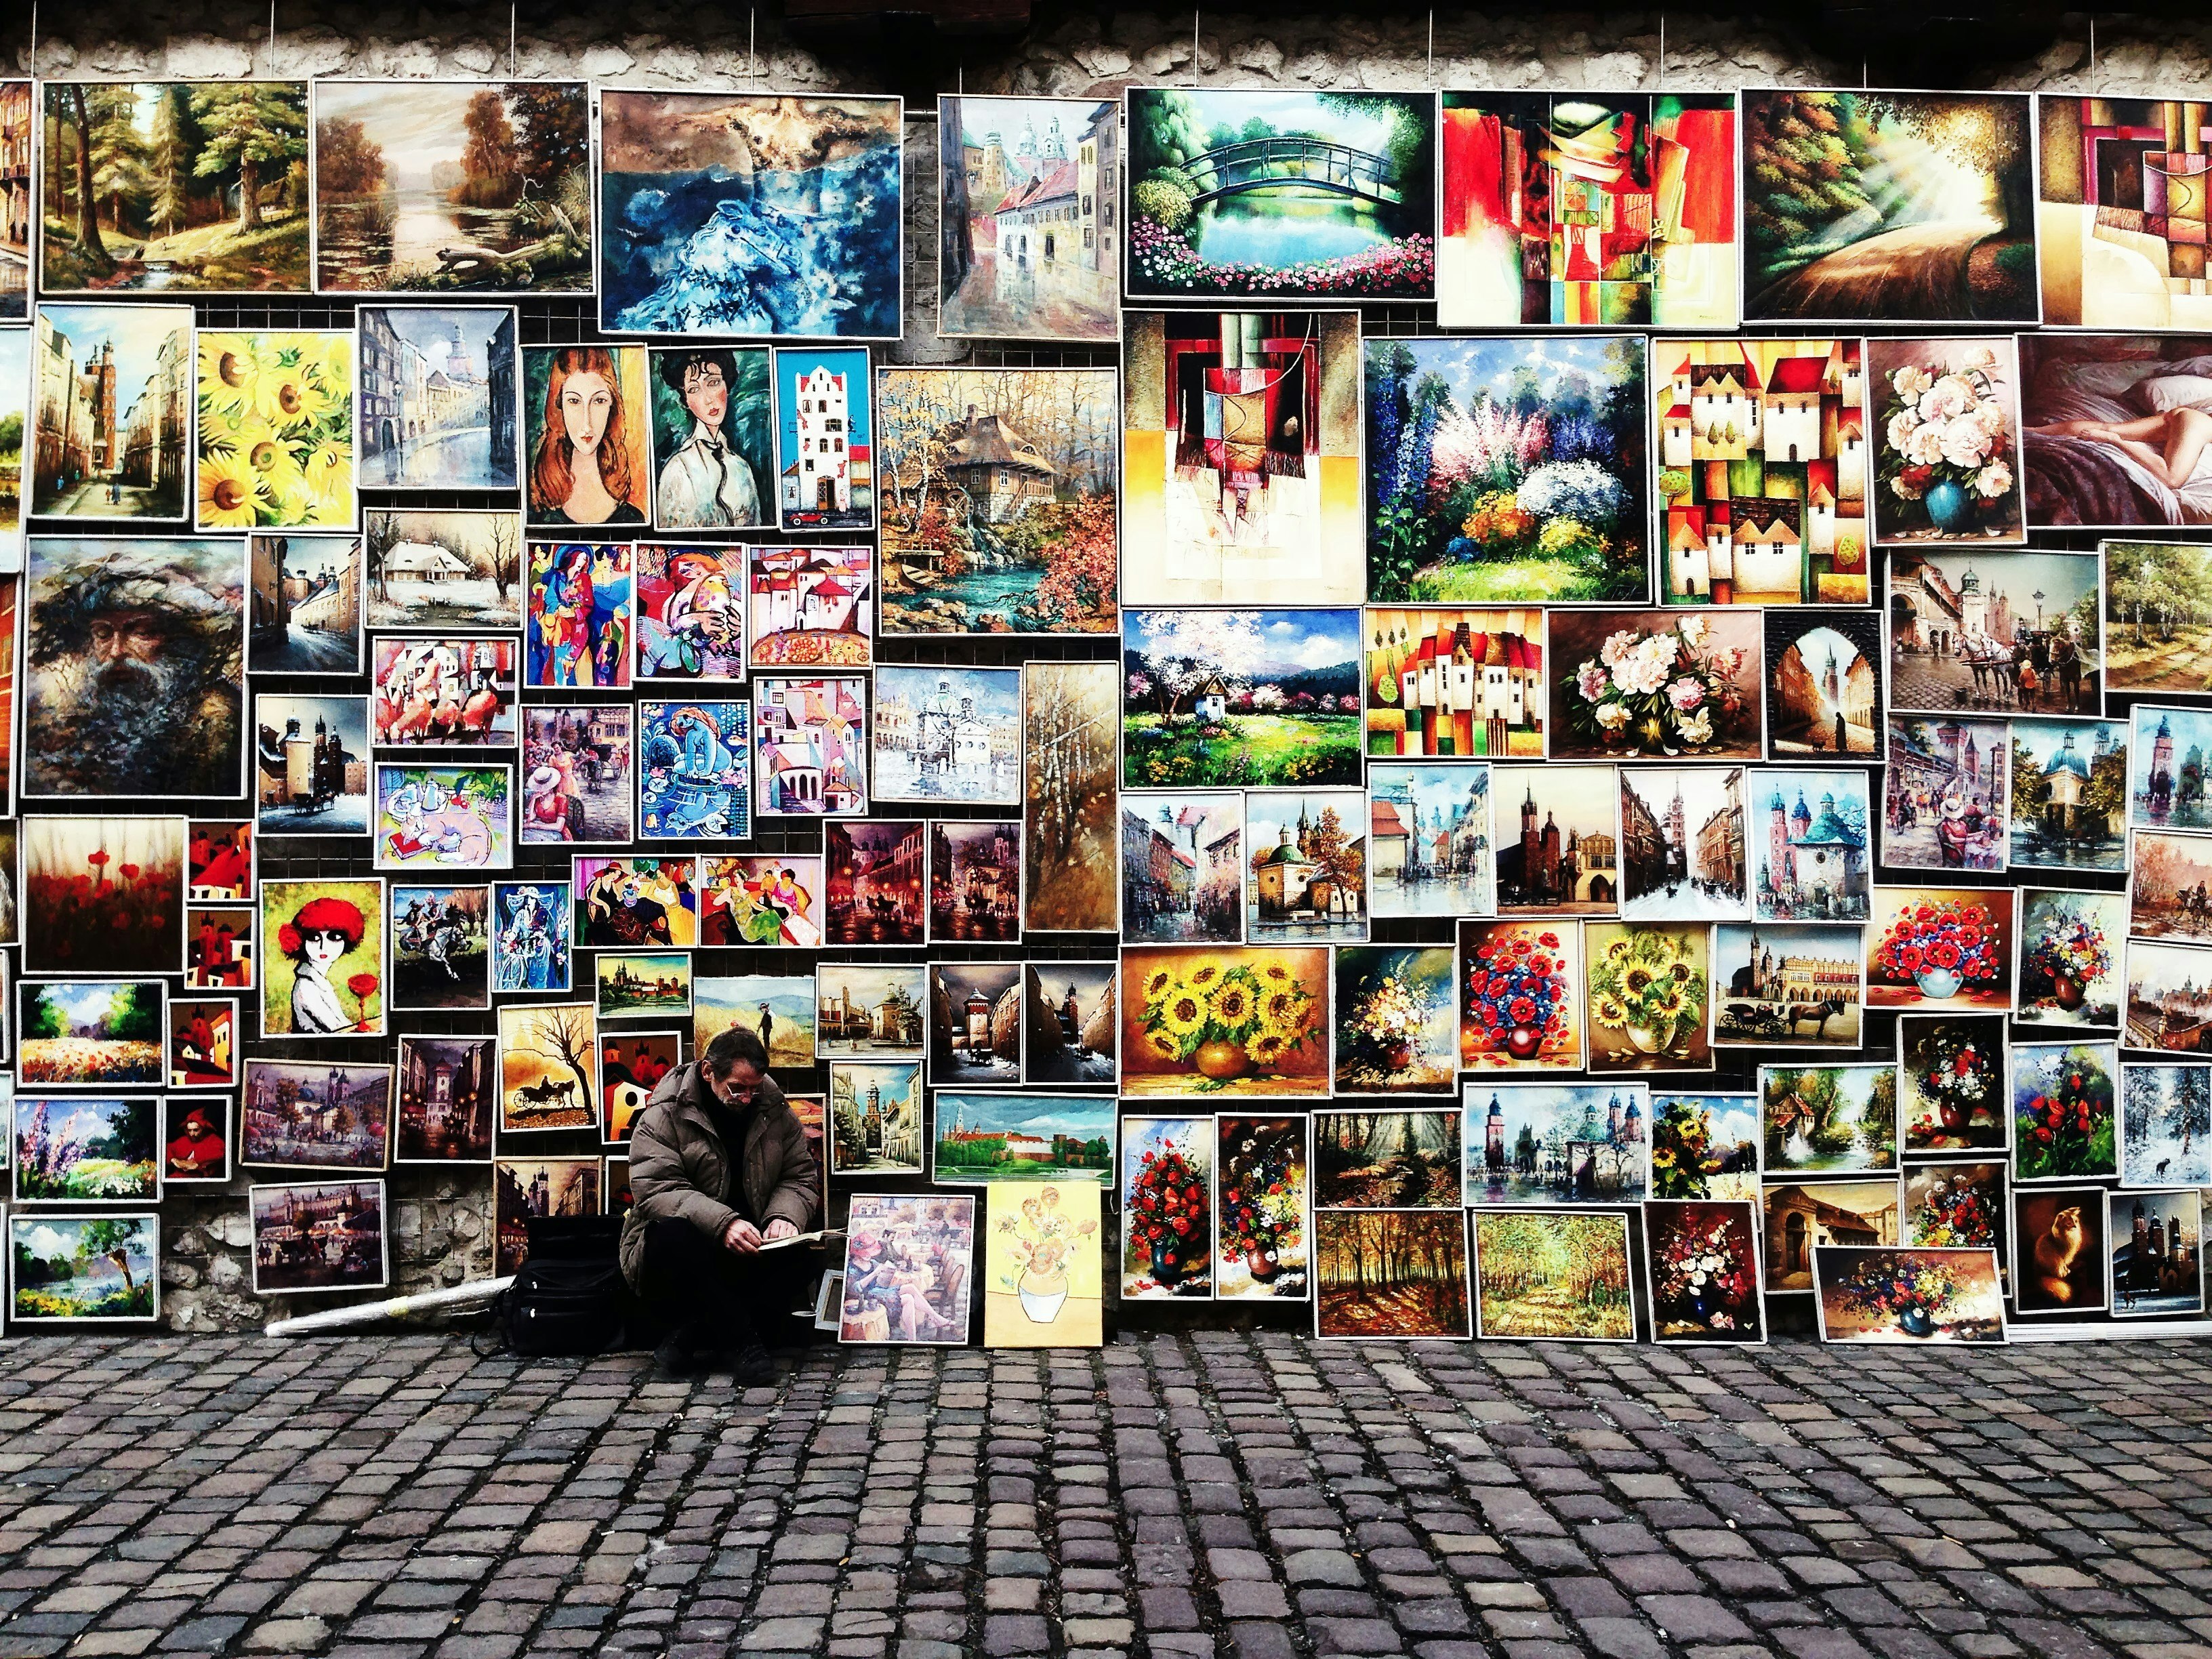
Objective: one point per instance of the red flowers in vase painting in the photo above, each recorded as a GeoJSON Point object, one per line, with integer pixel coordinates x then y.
{"type": "Point", "coordinates": [1170, 1232]}
{"type": "Point", "coordinates": [1941, 947]}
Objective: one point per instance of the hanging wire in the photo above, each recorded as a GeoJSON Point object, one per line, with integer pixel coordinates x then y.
{"type": "Point", "coordinates": [272, 36]}
{"type": "Point", "coordinates": [1193, 49]}
{"type": "Point", "coordinates": [514, 32]}
{"type": "Point", "coordinates": [752, 30]}
{"type": "Point", "coordinates": [1663, 52]}
{"type": "Point", "coordinates": [1432, 46]}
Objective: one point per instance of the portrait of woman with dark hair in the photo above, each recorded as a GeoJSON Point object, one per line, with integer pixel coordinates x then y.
{"type": "Point", "coordinates": [587, 445]}
{"type": "Point", "coordinates": [325, 963]}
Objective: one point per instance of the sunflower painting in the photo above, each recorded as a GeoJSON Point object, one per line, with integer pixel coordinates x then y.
{"type": "Point", "coordinates": [1204, 1020]}
{"type": "Point", "coordinates": [1648, 999]}
{"type": "Point", "coordinates": [276, 431]}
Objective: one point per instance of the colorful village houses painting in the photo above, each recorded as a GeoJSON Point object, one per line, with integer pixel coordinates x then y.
{"type": "Point", "coordinates": [1763, 461]}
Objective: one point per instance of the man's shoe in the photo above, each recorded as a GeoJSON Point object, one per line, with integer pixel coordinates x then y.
{"type": "Point", "coordinates": [677, 1355]}
{"type": "Point", "coordinates": [751, 1367]}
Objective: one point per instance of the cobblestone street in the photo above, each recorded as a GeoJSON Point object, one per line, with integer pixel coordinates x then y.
{"type": "Point", "coordinates": [1260, 1496]}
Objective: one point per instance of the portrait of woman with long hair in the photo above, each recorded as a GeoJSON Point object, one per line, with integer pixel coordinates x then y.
{"type": "Point", "coordinates": [587, 449]}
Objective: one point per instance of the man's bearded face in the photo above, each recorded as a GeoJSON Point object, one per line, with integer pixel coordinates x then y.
{"type": "Point", "coordinates": [136, 660]}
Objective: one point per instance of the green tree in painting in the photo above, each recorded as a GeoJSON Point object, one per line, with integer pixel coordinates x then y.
{"type": "Point", "coordinates": [134, 1016]}
{"type": "Point", "coordinates": [254, 127]}
{"type": "Point", "coordinates": [170, 158]}
{"type": "Point", "coordinates": [119, 171]}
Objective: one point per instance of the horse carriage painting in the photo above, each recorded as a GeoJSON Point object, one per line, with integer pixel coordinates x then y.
{"type": "Point", "coordinates": [1787, 986]}
{"type": "Point", "coordinates": [546, 1053]}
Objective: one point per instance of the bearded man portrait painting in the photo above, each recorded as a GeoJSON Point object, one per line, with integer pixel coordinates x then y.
{"type": "Point", "coordinates": [136, 669]}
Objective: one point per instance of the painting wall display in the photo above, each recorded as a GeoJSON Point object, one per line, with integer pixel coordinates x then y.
{"type": "Point", "coordinates": [811, 607]}
{"type": "Point", "coordinates": [86, 1150]}
{"type": "Point", "coordinates": [865, 1009]}
{"type": "Point", "coordinates": [1505, 471]}
{"type": "Point", "coordinates": [1888, 207]}
{"type": "Point", "coordinates": [1072, 1022]}
{"type": "Point", "coordinates": [691, 612]}
{"type": "Point", "coordinates": [1682, 853]}
{"type": "Point", "coordinates": [1567, 862]}
{"type": "Point", "coordinates": [1650, 1004]}
{"type": "Point", "coordinates": [195, 1140]}
{"type": "Point", "coordinates": [1702, 1262]}
{"type": "Point", "coordinates": [2165, 776]}
{"type": "Point", "coordinates": [448, 1100]}
{"type": "Point", "coordinates": [2165, 1125]}
{"type": "Point", "coordinates": [1545, 1145]}
{"type": "Point", "coordinates": [320, 1236]}
{"type": "Point", "coordinates": [1240, 697]}
{"type": "Point", "coordinates": [2115, 217]}
{"type": "Point", "coordinates": [16, 421]}
{"type": "Point", "coordinates": [2065, 1110]}
{"type": "Point", "coordinates": [2070, 787]}
{"type": "Point", "coordinates": [1786, 985]}
{"type": "Point", "coordinates": [694, 778]}
{"type": "Point", "coordinates": [575, 775]}
{"type": "Point", "coordinates": [1762, 471]}
{"type": "Point", "coordinates": [1396, 1032]}
{"type": "Point", "coordinates": [1068, 743]}
{"type": "Point", "coordinates": [2157, 1253]}
{"type": "Point", "coordinates": [1166, 1200]}
{"type": "Point", "coordinates": [2070, 947]}
{"type": "Point", "coordinates": [577, 623]}
{"type": "Point", "coordinates": [316, 1115]}
{"type": "Point", "coordinates": [825, 438]}
{"type": "Point", "coordinates": [1027, 192]}
{"type": "Point", "coordinates": [89, 1034]}
{"type": "Point", "coordinates": [440, 398]}
{"type": "Point", "coordinates": [526, 1189]}
{"type": "Point", "coordinates": [948, 734]}
{"type": "Point", "coordinates": [975, 1024]}
{"type": "Point", "coordinates": [2012, 632]}
{"type": "Point", "coordinates": [1951, 1083]}
{"type": "Point", "coordinates": [777, 1008]}
{"type": "Point", "coordinates": [1240, 458]}
{"type": "Point", "coordinates": [632, 1064]}
{"type": "Point", "coordinates": [2059, 1250]}
{"type": "Point", "coordinates": [762, 900]}
{"type": "Point", "coordinates": [1705, 1146]}
{"type": "Point", "coordinates": [1907, 1296]}
{"type": "Point", "coordinates": [998, 1139]}
{"type": "Point", "coordinates": [759, 214]}
{"type": "Point", "coordinates": [82, 914]}
{"type": "Point", "coordinates": [444, 818]}
{"type": "Point", "coordinates": [1810, 858]}
{"type": "Point", "coordinates": [1828, 1120]}
{"type": "Point", "coordinates": [586, 415]}
{"type": "Point", "coordinates": [1043, 1267]}
{"type": "Point", "coordinates": [443, 692]}
{"type": "Point", "coordinates": [83, 1269]}
{"type": "Point", "coordinates": [634, 901]}
{"type": "Point", "coordinates": [1391, 1273]}
{"type": "Point", "coordinates": [1958, 1204]}
{"type": "Point", "coordinates": [1561, 1276]}
{"type": "Point", "coordinates": [1306, 874]}
{"type": "Point", "coordinates": [1800, 1216]}
{"type": "Point", "coordinates": [1235, 192]}
{"type": "Point", "coordinates": [810, 747]}
{"type": "Point", "coordinates": [1824, 691]}
{"type": "Point", "coordinates": [875, 1118]}
{"type": "Point", "coordinates": [546, 1060]}
{"type": "Point", "coordinates": [997, 498]}
{"type": "Point", "coordinates": [1947, 795]}
{"type": "Point", "coordinates": [1407, 1159]}
{"type": "Point", "coordinates": [1429, 850]}
{"type": "Point", "coordinates": [1947, 428]}
{"type": "Point", "coordinates": [324, 972]}
{"type": "Point", "coordinates": [1940, 948]}
{"type": "Point", "coordinates": [909, 1266]}
{"type": "Point", "coordinates": [2155, 594]}
{"type": "Point", "coordinates": [89, 353]}
{"type": "Point", "coordinates": [1452, 683]}
{"type": "Point", "coordinates": [276, 431]}
{"type": "Point", "coordinates": [713, 443]}
{"type": "Point", "coordinates": [1605, 208]}
{"type": "Point", "coordinates": [441, 946]}
{"type": "Point", "coordinates": [2164, 887]}
{"type": "Point", "coordinates": [2107, 443]}
{"type": "Point", "coordinates": [1520, 996]}
{"type": "Point", "coordinates": [875, 876]}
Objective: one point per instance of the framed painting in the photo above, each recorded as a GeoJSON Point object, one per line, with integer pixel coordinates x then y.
{"type": "Point", "coordinates": [96, 350]}
{"type": "Point", "coordinates": [311, 1236]}
{"type": "Point", "coordinates": [1026, 192]}
{"type": "Point", "coordinates": [83, 1269]}
{"type": "Point", "coordinates": [888, 1299]}
{"type": "Point", "coordinates": [276, 431]}
{"type": "Point", "coordinates": [438, 398]}
{"type": "Point", "coordinates": [1391, 1275]}
{"type": "Point", "coordinates": [1561, 1276]}
{"type": "Point", "coordinates": [1226, 1019]}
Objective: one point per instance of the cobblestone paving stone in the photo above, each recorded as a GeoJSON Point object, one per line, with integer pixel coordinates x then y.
{"type": "Point", "coordinates": [1250, 1496]}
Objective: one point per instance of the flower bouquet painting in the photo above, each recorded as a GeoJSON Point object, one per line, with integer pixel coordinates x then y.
{"type": "Point", "coordinates": [1395, 1031]}
{"type": "Point", "coordinates": [1204, 1020]}
{"type": "Point", "coordinates": [2064, 1125]}
{"type": "Point", "coordinates": [1044, 1276]}
{"type": "Point", "coordinates": [1260, 1246]}
{"type": "Point", "coordinates": [1519, 996]}
{"type": "Point", "coordinates": [1948, 441]}
{"type": "Point", "coordinates": [1648, 997]}
{"type": "Point", "coordinates": [1868, 1294]}
{"type": "Point", "coordinates": [1703, 1259]}
{"type": "Point", "coordinates": [1957, 1207]}
{"type": "Point", "coordinates": [1938, 948]}
{"type": "Point", "coordinates": [1643, 685]}
{"type": "Point", "coordinates": [1167, 1209]}
{"type": "Point", "coordinates": [1952, 1083]}
{"type": "Point", "coordinates": [2069, 962]}
{"type": "Point", "coordinates": [1705, 1146]}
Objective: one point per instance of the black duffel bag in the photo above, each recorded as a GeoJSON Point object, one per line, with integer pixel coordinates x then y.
{"type": "Point", "coordinates": [568, 1297]}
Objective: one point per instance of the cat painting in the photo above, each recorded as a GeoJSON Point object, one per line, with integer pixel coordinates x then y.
{"type": "Point", "coordinates": [2058, 1250]}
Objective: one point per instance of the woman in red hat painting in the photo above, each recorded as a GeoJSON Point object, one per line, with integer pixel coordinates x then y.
{"type": "Point", "coordinates": [323, 931]}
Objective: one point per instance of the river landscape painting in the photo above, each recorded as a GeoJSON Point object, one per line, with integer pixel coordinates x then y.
{"type": "Point", "coordinates": [750, 214]}
{"type": "Point", "coordinates": [452, 185]}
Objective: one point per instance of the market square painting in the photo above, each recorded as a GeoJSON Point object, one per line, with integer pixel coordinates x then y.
{"type": "Point", "coordinates": [779, 1009]}
{"type": "Point", "coordinates": [1306, 877]}
{"type": "Point", "coordinates": [1393, 1274]}
{"type": "Point", "coordinates": [1281, 192]}
{"type": "Point", "coordinates": [577, 622]}
{"type": "Point", "coordinates": [1762, 472]}
{"type": "Point", "coordinates": [103, 895]}
{"type": "Point", "coordinates": [452, 186]}
{"type": "Point", "coordinates": [316, 1114]}
{"type": "Point", "coordinates": [1223, 1020]}
{"type": "Point", "coordinates": [693, 780]}
{"type": "Point", "coordinates": [449, 1094]}
{"type": "Point", "coordinates": [195, 1140]}
{"type": "Point", "coordinates": [909, 1265]}
{"type": "Point", "coordinates": [1951, 1083]}
{"type": "Point", "coordinates": [192, 187]}
{"type": "Point", "coordinates": [530, 941]}
{"type": "Point", "coordinates": [1558, 1277]}
{"type": "Point", "coordinates": [320, 1236]}
{"type": "Point", "coordinates": [876, 881]}
{"type": "Point", "coordinates": [2064, 1110]}
{"type": "Point", "coordinates": [690, 613]}
{"type": "Point", "coordinates": [431, 569]}
{"type": "Point", "coordinates": [1071, 1022]}
{"type": "Point", "coordinates": [825, 438]}
{"type": "Point", "coordinates": [1827, 1120]}
{"type": "Point", "coordinates": [975, 1024]}
{"type": "Point", "coordinates": [1888, 207]}
{"type": "Point", "coordinates": [750, 214]}
{"type": "Point", "coordinates": [429, 691]}
{"type": "Point", "coordinates": [306, 604]}
{"type": "Point", "coordinates": [1069, 736]}
{"type": "Point", "coordinates": [986, 1139]}
{"type": "Point", "coordinates": [1599, 209]}
{"type": "Point", "coordinates": [441, 400]}
{"type": "Point", "coordinates": [2110, 424]}
{"type": "Point", "coordinates": [1823, 684]}
{"type": "Point", "coordinates": [1262, 1241]}
{"type": "Point", "coordinates": [1508, 471]}
{"type": "Point", "coordinates": [999, 500]}
{"type": "Point", "coordinates": [456, 818]}
{"type": "Point", "coordinates": [809, 754]}
{"type": "Point", "coordinates": [1652, 684]}
{"type": "Point", "coordinates": [526, 1189]}
{"type": "Point", "coordinates": [1940, 948]}
{"type": "Point", "coordinates": [1682, 844]}
{"type": "Point", "coordinates": [1408, 1158]}
{"type": "Point", "coordinates": [2168, 897]}
{"type": "Point", "coordinates": [1454, 683]}
{"type": "Point", "coordinates": [2166, 1125]}
{"type": "Point", "coordinates": [1026, 191]}
{"type": "Point", "coordinates": [1258, 697]}
{"type": "Point", "coordinates": [1545, 1145]}
{"type": "Point", "coordinates": [2069, 786]}
{"type": "Point", "coordinates": [202, 1043]}
{"type": "Point", "coordinates": [1240, 458]}
{"type": "Point", "coordinates": [2010, 632]}
{"type": "Point", "coordinates": [87, 1151]}
{"type": "Point", "coordinates": [713, 442]}
{"type": "Point", "coordinates": [762, 900]}
{"type": "Point", "coordinates": [811, 607]}
{"type": "Point", "coordinates": [2158, 618]}
{"type": "Point", "coordinates": [1044, 1269]}
{"type": "Point", "coordinates": [1701, 1260]}
{"type": "Point", "coordinates": [1562, 856]}
{"type": "Point", "coordinates": [2157, 1253]}
{"type": "Point", "coordinates": [2165, 776]}
{"type": "Point", "coordinates": [2059, 1251]}
{"type": "Point", "coordinates": [1520, 996]}
{"type": "Point", "coordinates": [1183, 866]}
{"type": "Point", "coordinates": [951, 734]}
{"type": "Point", "coordinates": [276, 431]}
{"type": "Point", "coordinates": [585, 412]}
{"type": "Point", "coordinates": [93, 352]}
{"type": "Point", "coordinates": [1809, 865]}
{"type": "Point", "coordinates": [1705, 1146]}
{"type": "Point", "coordinates": [1947, 795]}
{"type": "Point", "coordinates": [1396, 1028]}
{"type": "Point", "coordinates": [1166, 1198]}
{"type": "Point", "coordinates": [1788, 985]}
{"type": "Point", "coordinates": [2069, 954]}
{"type": "Point", "coordinates": [1429, 851]}
{"type": "Point", "coordinates": [546, 1058]}
{"type": "Point", "coordinates": [78, 1269]}
{"type": "Point", "coordinates": [866, 1010]}
{"type": "Point", "coordinates": [440, 946]}
{"type": "Point", "coordinates": [875, 1118]}
{"type": "Point", "coordinates": [1649, 986]}
{"type": "Point", "coordinates": [134, 668]}
{"type": "Point", "coordinates": [2119, 222]}
{"type": "Point", "coordinates": [575, 775]}
{"type": "Point", "coordinates": [1907, 1296]}
{"type": "Point", "coordinates": [1947, 435]}
{"type": "Point", "coordinates": [1798, 1216]}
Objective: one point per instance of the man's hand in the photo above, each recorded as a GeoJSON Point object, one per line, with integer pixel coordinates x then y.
{"type": "Point", "coordinates": [780, 1228]}
{"type": "Point", "coordinates": [742, 1236]}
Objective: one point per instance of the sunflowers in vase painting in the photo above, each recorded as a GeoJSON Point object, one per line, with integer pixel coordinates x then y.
{"type": "Point", "coordinates": [276, 431]}
{"type": "Point", "coordinates": [1229, 1017]}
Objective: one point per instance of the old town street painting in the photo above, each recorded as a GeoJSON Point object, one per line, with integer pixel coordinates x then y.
{"type": "Point", "coordinates": [1027, 245]}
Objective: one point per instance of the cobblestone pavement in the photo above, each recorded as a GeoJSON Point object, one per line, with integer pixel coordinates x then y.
{"type": "Point", "coordinates": [1254, 1495]}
